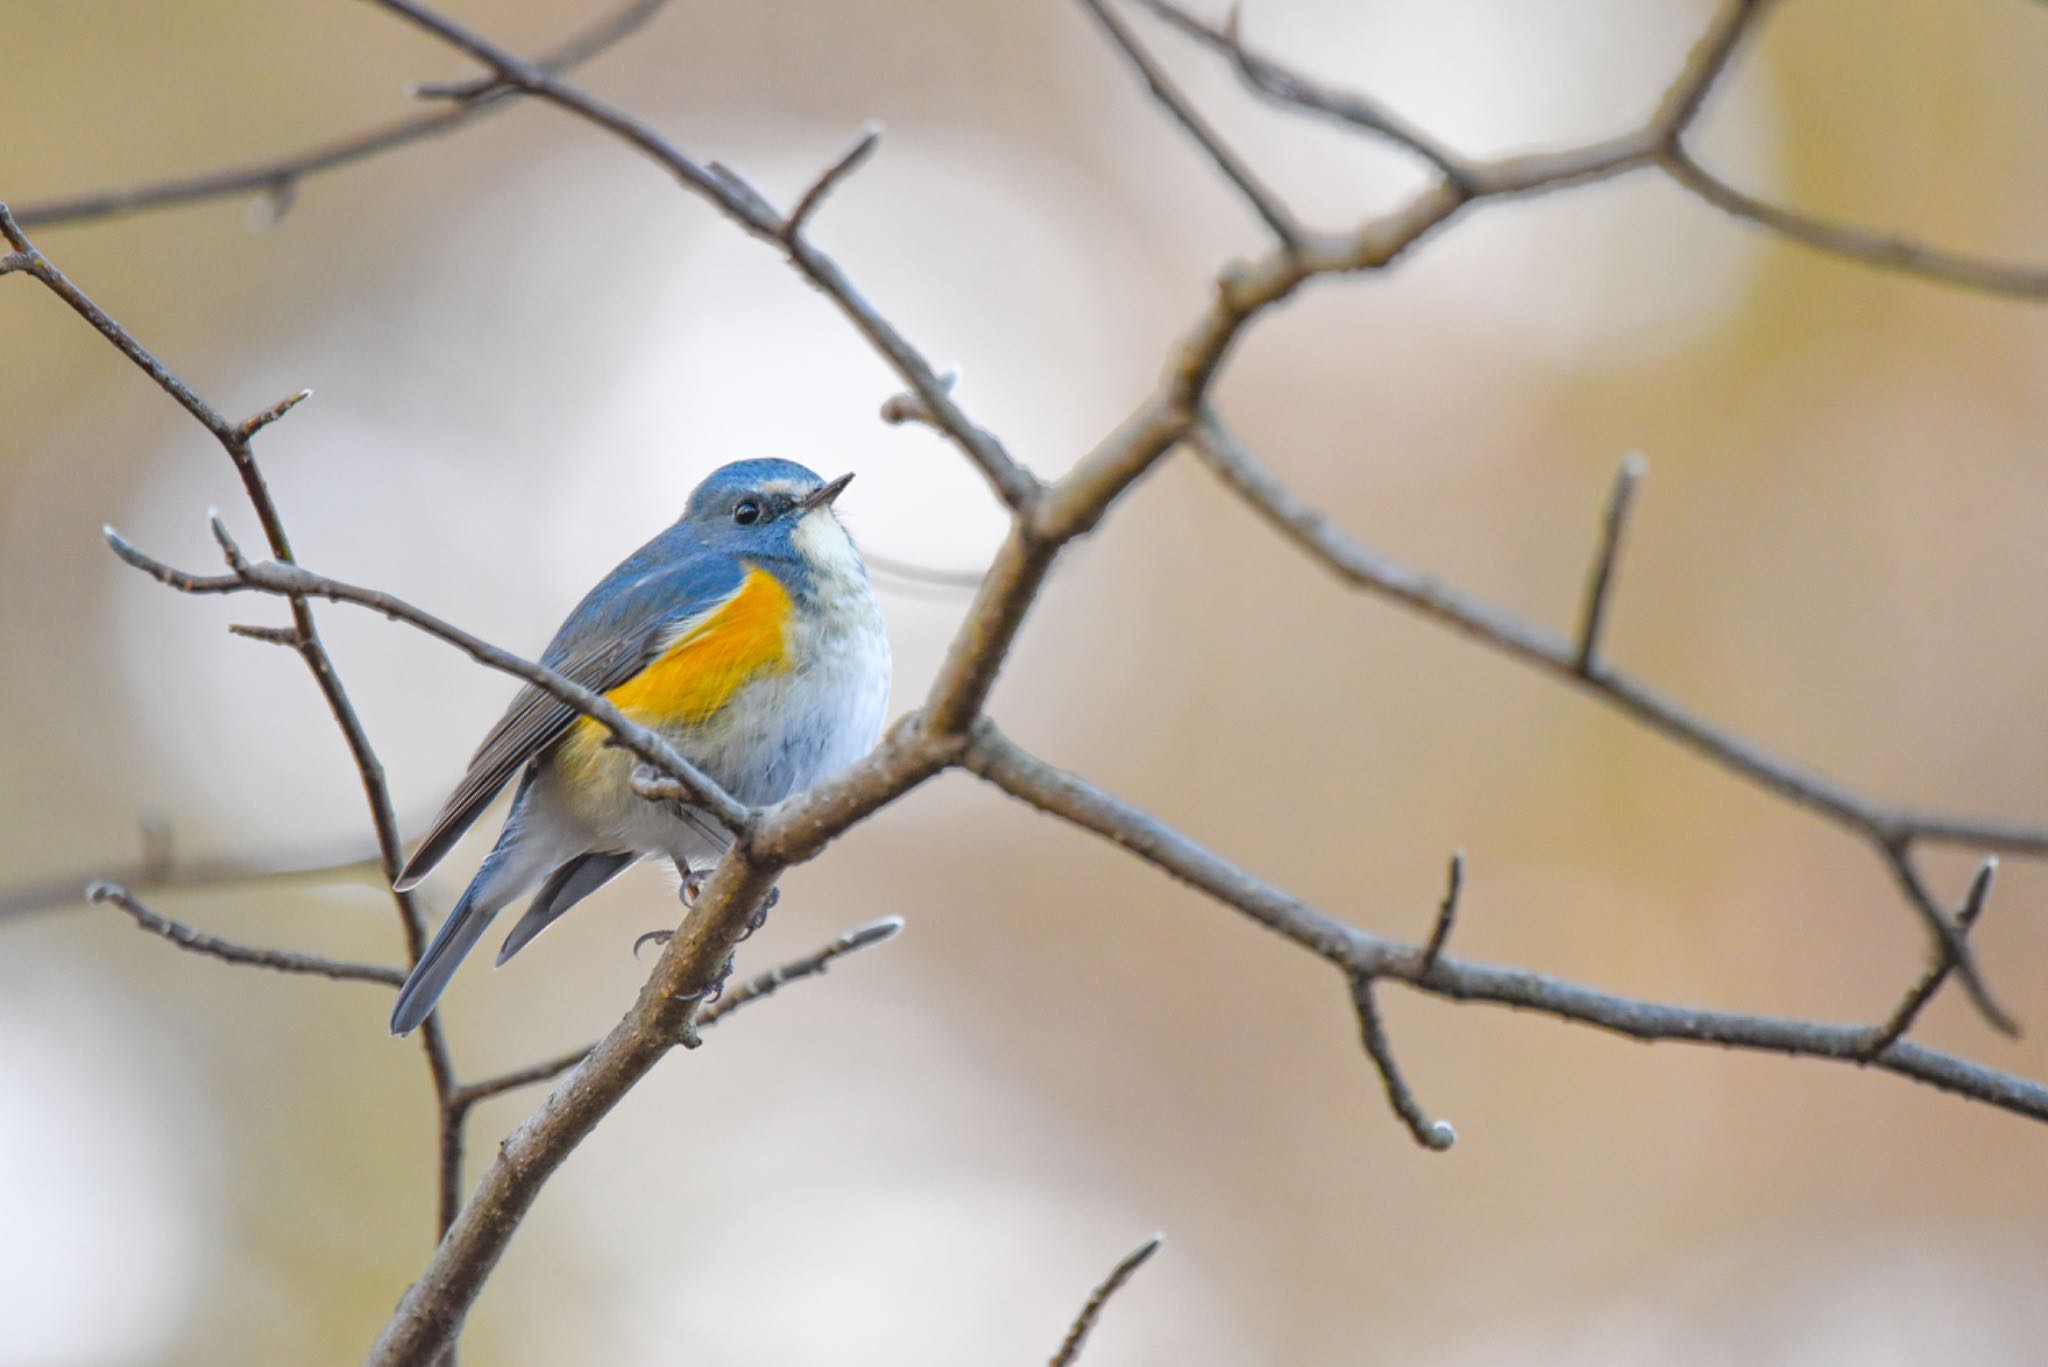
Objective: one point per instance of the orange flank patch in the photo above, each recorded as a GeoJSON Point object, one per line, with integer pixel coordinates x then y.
{"type": "Point", "coordinates": [696, 676]}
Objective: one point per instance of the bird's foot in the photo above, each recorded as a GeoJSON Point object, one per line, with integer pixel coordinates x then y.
{"type": "Point", "coordinates": [652, 937]}
{"type": "Point", "coordinates": [693, 884]}
{"type": "Point", "coordinates": [760, 916]}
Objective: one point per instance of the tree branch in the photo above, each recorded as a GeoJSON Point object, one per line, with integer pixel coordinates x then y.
{"type": "Point", "coordinates": [1084, 1323]}
{"type": "Point", "coordinates": [1434, 1135]}
{"type": "Point", "coordinates": [753, 990]}
{"type": "Point", "coordinates": [1013, 484]}
{"type": "Point", "coordinates": [1359, 952]}
{"type": "Point", "coordinates": [227, 951]}
{"type": "Point", "coordinates": [280, 176]}
{"type": "Point", "coordinates": [1888, 829]}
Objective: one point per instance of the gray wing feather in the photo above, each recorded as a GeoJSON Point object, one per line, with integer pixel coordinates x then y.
{"type": "Point", "coordinates": [622, 625]}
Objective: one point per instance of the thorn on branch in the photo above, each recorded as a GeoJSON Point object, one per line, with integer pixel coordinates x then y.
{"type": "Point", "coordinates": [849, 161]}
{"type": "Point", "coordinates": [287, 637]}
{"type": "Point", "coordinates": [1600, 582]}
{"type": "Point", "coordinates": [199, 942]}
{"type": "Point", "coordinates": [1070, 1348]}
{"type": "Point", "coordinates": [1446, 912]}
{"type": "Point", "coordinates": [1901, 1020]}
{"type": "Point", "coordinates": [1435, 1135]}
{"type": "Point", "coordinates": [252, 426]}
{"type": "Point", "coordinates": [230, 552]}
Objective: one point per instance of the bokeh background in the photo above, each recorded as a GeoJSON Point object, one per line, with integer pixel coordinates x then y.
{"type": "Point", "coordinates": [528, 345]}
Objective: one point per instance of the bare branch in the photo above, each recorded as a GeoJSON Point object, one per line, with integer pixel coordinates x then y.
{"type": "Point", "coordinates": [161, 869]}
{"type": "Point", "coordinates": [849, 161]}
{"type": "Point", "coordinates": [1446, 912]}
{"type": "Point", "coordinates": [1901, 1020]}
{"type": "Point", "coordinates": [810, 965]}
{"type": "Point", "coordinates": [293, 582]}
{"type": "Point", "coordinates": [1262, 200]}
{"type": "Point", "coordinates": [1885, 828]}
{"type": "Point", "coordinates": [280, 175]}
{"type": "Point", "coordinates": [1012, 483]}
{"type": "Point", "coordinates": [1360, 952]}
{"type": "Point", "coordinates": [235, 441]}
{"type": "Point", "coordinates": [1887, 250]}
{"type": "Point", "coordinates": [1084, 1323]}
{"type": "Point", "coordinates": [250, 427]}
{"type": "Point", "coordinates": [1435, 1135]}
{"type": "Point", "coordinates": [1601, 580]}
{"type": "Point", "coordinates": [227, 951]}
{"type": "Point", "coordinates": [754, 989]}
{"type": "Point", "coordinates": [1295, 90]}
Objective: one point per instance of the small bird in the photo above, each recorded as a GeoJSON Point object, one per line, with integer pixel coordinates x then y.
{"type": "Point", "coordinates": [746, 634]}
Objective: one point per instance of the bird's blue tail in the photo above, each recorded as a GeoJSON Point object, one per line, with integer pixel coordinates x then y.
{"type": "Point", "coordinates": [451, 945]}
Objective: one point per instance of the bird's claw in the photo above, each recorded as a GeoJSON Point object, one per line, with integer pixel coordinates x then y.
{"type": "Point", "coordinates": [658, 937]}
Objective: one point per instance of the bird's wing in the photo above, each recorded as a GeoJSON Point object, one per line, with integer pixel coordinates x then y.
{"type": "Point", "coordinates": [625, 623]}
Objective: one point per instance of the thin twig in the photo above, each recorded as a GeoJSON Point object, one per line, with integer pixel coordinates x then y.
{"type": "Point", "coordinates": [1084, 1323]}
{"type": "Point", "coordinates": [292, 581]}
{"type": "Point", "coordinates": [1358, 952]}
{"type": "Point", "coordinates": [276, 175]}
{"type": "Point", "coordinates": [1295, 90]}
{"type": "Point", "coordinates": [107, 894]}
{"type": "Point", "coordinates": [1885, 828]}
{"type": "Point", "coordinates": [1446, 912]}
{"type": "Point", "coordinates": [1901, 1020]}
{"type": "Point", "coordinates": [810, 965]}
{"type": "Point", "coordinates": [1601, 580]}
{"type": "Point", "coordinates": [1262, 200]}
{"type": "Point", "coordinates": [1434, 1135]}
{"type": "Point", "coordinates": [1890, 251]}
{"type": "Point", "coordinates": [1012, 483]}
{"type": "Point", "coordinates": [235, 440]}
{"type": "Point", "coordinates": [763, 985]}
{"type": "Point", "coordinates": [864, 144]}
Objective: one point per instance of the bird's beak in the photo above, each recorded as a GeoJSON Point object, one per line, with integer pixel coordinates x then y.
{"type": "Point", "coordinates": [822, 496]}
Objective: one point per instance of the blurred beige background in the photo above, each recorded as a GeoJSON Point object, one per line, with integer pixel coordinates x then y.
{"type": "Point", "coordinates": [527, 347]}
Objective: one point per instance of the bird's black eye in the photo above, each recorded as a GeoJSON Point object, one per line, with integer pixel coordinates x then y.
{"type": "Point", "coordinates": [746, 512]}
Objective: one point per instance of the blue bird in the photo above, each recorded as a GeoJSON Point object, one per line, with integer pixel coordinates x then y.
{"type": "Point", "coordinates": [746, 634]}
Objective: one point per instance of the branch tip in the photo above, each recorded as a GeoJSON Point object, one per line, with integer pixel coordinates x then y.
{"type": "Point", "coordinates": [849, 161]}
{"type": "Point", "coordinates": [251, 426]}
{"type": "Point", "coordinates": [1434, 1135]}
{"type": "Point", "coordinates": [1070, 1348]}
{"type": "Point", "coordinates": [1600, 581]}
{"type": "Point", "coordinates": [1446, 912]}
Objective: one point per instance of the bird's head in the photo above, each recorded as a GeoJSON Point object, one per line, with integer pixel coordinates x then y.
{"type": "Point", "coordinates": [775, 511]}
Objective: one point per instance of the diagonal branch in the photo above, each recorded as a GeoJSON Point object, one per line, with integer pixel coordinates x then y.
{"type": "Point", "coordinates": [292, 582]}
{"type": "Point", "coordinates": [753, 990]}
{"type": "Point", "coordinates": [1012, 483]}
{"type": "Point", "coordinates": [199, 942]}
{"type": "Point", "coordinates": [1901, 1020]}
{"type": "Point", "coordinates": [1263, 201]}
{"type": "Point", "coordinates": [1084, 1323]}
{"type": "Point", "coordinates": [1359, 952]}
{"type": "Point", "coordinates": [235, 439]}
{"type": "Point", "coordinates": [1887, 829]}
{"type": "Point", "coordinates": [1434, 1135]}
{"type": "Point", "coordinates": [278, 177]}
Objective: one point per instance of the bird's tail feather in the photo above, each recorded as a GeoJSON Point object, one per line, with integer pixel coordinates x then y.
{"type": "Point", "coordinates": [451, 945]}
